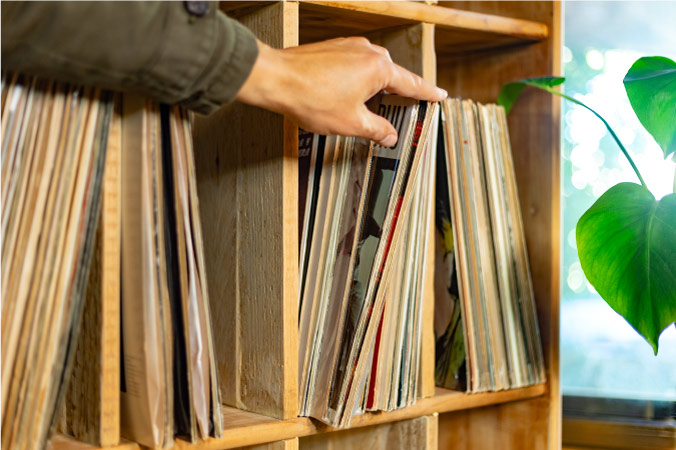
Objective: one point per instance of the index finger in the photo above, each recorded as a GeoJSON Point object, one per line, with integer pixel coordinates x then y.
{"type": "Point", "coordinates": [408, 84]}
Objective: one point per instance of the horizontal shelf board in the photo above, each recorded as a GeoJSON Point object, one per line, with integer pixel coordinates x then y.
{"type": "Point", "coordinates": [451, 42]}
{"type": "Point", "coordinates": [242, 428]}
{"type": "Point", "coordinates": [413, 12]}
{"type": "Point", "coordinates": [61, 442]}
{"type": "Point", "coordinates": [457, 31]}
{"type": "Point", "coordinates": [319, 21]}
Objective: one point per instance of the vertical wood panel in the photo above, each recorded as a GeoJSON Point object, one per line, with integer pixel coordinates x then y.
{"type": "Point", "coordinates": [534, 126]}
{"type": "Point", "coordinates": [110, 308]}
{"type": "Point", "coordinates": [429, 56]}
{"type": "Point", "coordinates": [405, 45]}
{"type": "Point", "coordinates": [419, 434]}
{"type": "Point", "coordinates": [511, 426]}
{"type": "Point", "coordinates": [554, 311]}
{"type": "Point", "coordinates": [432, 431]}
{"type": "Point", "coordinates": [91, 409]}
{"type": "Point", "coordinates": [248, 186]}
{"type": "Point", "coordinates": [427, 357]}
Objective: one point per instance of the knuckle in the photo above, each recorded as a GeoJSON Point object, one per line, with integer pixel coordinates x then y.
{"type": "Point", "coordinates": [359, 41]}
{"type": "Point", "coordinates": [383, 51]}
{"type": "Point", "coordinates": [387, 55]}
{"type": "Point", "coordinates": [381, 63]}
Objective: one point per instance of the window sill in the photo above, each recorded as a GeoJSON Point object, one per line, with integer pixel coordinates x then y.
{"type": "Point", "coordinates": [585, 433]}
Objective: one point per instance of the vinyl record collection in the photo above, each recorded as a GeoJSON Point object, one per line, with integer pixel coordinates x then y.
{"type": "Point", "coordinates": [485, 320]}
{"type": "Point", "coordinates": [364, 218]}
{"type": "Point", "coordinates": [361, 265]}
{"type": "Point", "coordinates": [54, 141]}
{"type": "Point", "coordinates": [169, 384]}
{"type": "Point", "coordinates": [53, 152]}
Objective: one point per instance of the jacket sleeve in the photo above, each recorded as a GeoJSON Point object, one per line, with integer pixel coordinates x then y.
{"type": "Point", "coordinates": [176, 52]}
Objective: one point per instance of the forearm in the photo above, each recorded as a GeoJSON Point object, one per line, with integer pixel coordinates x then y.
{"type": "Point", "coordinates": [158, 49]}
{"type": "Point", "coordinates": [175, 54]}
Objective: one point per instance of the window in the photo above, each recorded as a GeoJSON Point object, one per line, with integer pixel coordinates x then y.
{"type": "Point", "coordinates": [601, 355]}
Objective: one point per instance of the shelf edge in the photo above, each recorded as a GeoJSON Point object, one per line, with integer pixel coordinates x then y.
{"type": "Point", "coordinates": [264, 429]}
{"type": "Point", "coordinates": [444, 401]}
{"type": "Point", "coordinates": [445, 17]}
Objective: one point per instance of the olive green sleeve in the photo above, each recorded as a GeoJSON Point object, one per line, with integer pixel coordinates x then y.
{"type": "Point", "coordinates": [176, 52]}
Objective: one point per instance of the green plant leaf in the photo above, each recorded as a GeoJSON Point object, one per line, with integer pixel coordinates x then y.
{"type": "Point", "coordinates": [673, 158]}
{"type": "Point", "coordinates": [511, 91]}
{"type": "Point", "coordinates": [651, 88]}
{"type": "Point", "coordinates": [627, 247]}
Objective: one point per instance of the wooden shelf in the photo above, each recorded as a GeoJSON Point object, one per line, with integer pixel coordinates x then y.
{"type": "Point", "coordinates": [457, 31]}
{"type": "Point", "coordinates": [62, 442]}
{"type": "Point", "coordinates": [242, 428]}
{"type": "Point", "coordinates": [248, 181]}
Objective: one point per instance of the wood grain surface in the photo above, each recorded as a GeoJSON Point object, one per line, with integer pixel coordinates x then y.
{"type": "Point", "coordinates": [247, 179]}
{"type": "Point", "coordinates": [288, 444]}
{"type": "Point", "coordinates": [242, 428]}
{"type": "Point", "coordinates": [458, 31]}
{"type": "Point", "coordinates": [443, 17]}
{"type": "Point", "coordinates": [517, 425]}
{"type": "Point", "coordinates": [91, 410]}
{"type": "Point", "coordinates": [419, 433]}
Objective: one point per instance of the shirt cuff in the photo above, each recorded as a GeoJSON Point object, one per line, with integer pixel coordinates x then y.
{"type": "Point", "coordinates": [235, 52]}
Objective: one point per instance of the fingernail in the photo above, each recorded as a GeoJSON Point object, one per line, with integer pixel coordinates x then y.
{"type": "Point", "coordinates": [389, 141]}
{"type": "Point", "coordinates": [442, 93]}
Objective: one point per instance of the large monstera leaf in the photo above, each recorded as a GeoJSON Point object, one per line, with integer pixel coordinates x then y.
{"type": "Point", "coordinates": [651, 88]}
{"type": "Point", "coordinates": [627, 247]}
{"type": "Point", "coordinates": [627, 240]}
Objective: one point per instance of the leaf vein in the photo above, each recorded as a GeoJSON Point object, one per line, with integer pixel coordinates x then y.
{"type": "Point", "coordinates": [653, 311]}
{"type": "Point", "coordinates": [667, 265]}
{"type": "Point", "coordinates": [670, 225]}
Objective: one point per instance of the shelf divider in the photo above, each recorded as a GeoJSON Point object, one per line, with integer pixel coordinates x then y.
{"type": "Point", "coordinates": [91, 407]}
{"type": "Point", "coordinates": [247, 176]}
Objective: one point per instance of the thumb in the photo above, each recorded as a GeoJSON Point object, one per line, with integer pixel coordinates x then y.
{"type": "Point", "coordinates": [378, 129]}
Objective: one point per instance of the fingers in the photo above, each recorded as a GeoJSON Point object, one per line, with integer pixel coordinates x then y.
{"type": "Point", "coordinates": [407, 84]}
{"type": "Point", "coordinates": [345, 73]}
{"type": "Point", "coordinates": [377, 129]}
{"type": "Point", "coordinates": [399, 80]}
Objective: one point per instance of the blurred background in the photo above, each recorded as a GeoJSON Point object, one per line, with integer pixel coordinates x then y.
{"type": "Point", "coordinates": [601, 354]}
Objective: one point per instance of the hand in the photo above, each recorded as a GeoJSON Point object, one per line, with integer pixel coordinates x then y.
{"type": "Point", "coordinates": [324, 86]}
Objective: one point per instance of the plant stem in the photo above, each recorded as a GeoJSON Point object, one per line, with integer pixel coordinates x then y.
{"type": "Point", "coordinates": [612, 133]}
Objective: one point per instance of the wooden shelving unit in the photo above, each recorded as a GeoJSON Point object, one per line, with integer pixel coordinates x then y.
{"type": "Point", "coordinates": [247, 178]}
